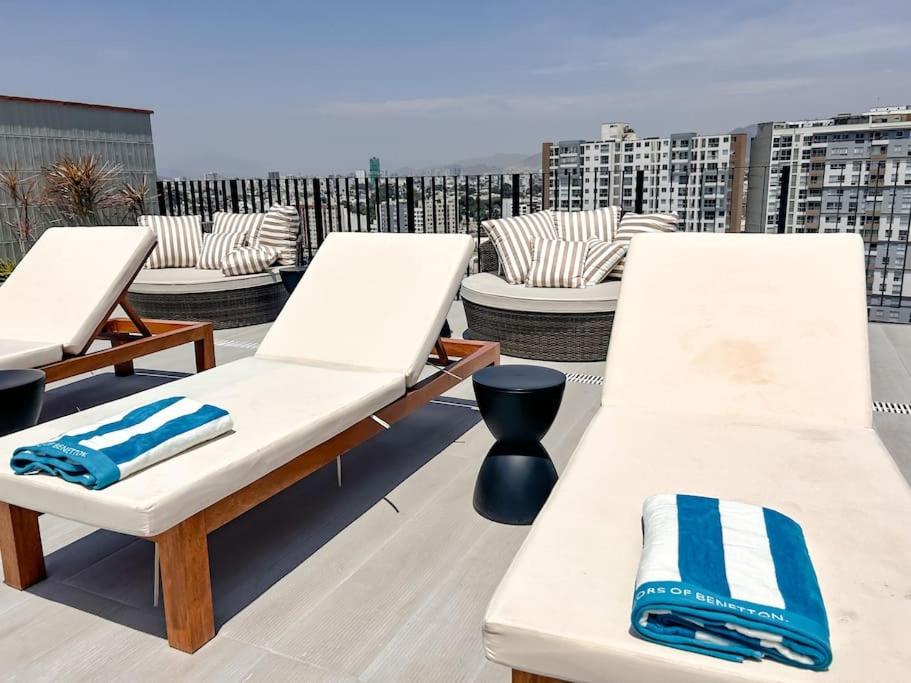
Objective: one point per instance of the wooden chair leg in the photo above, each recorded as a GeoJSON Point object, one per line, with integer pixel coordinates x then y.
{"type": "Point", "coordinates": [20, 546]}
{"type": "Point", "coordinates": [525, 677]}
{"type": "Point", "coordinates": [187, 586]}
{"type": "Point", "coordinates": [205, 351]}
{"type": "Point", "coordinates": [124, 369]}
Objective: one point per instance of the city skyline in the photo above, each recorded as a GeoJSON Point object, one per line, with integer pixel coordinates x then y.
{"type": "Point", "coordinates": [308, 88]}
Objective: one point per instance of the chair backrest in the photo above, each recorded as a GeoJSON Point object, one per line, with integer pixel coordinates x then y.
{"type": "Point", "coordinates": [69, 281]}
{"type": "Point", "coordinates": [757, 328]}
{"type": "Point", "coordinates": [371, 300]}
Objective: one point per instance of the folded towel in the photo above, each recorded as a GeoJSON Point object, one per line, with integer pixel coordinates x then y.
{"type": "Point", "coordinates": [729, 580]}
{"type": "Point", "coordinates": [101, 454]}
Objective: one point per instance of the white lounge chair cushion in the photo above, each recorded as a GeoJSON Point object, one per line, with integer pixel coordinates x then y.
{"type": "Point", "coordinates": [192, 280]}
{"type": "Point", "coordinates": [371, 301]}
{"type": "Point", "coordinates": [280, 410]}
{"type": "Point", "coordinates": [69, 281]}
{"type": "Point", "coordinates": [17, 353]}
{"type": "Point", "coordinates": [563, 608]}
{"type": "Point", "coordinates": [723, 325]}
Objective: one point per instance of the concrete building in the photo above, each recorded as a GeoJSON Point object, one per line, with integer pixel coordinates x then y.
{"type": "Point", "coordinates": [846, 173]}
{"type": "Point", "coordinates": [37, 132]}
{"type": "Point", "coordinates": [374, 167]}
{"type": "Point", "coordinates": [698, 176]}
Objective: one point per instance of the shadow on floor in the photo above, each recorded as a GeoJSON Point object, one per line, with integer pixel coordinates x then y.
{"type": "Point", "coordinates": [110, 574]}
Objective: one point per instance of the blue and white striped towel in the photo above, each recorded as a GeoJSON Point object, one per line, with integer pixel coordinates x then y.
{"type": "Point", "coordinates": [730, 580]}
{"type": "Point", "coordinates": [103, 453]}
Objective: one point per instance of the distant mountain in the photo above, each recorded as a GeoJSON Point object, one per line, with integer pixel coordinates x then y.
{"type": "Point", "coordinates": [501, 162]}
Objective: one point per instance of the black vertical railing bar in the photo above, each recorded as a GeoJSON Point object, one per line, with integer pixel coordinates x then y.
{"type": "Point", "coordinates": [234, 206]}
{"type": "Point", "coordinates": [159, 191]}
{"type": "Point", "coordinates": [262, 196]}
{"type": "Point", "coordinates": [317, 213]}
{"type": "Point", "coordinates": [433, 204]}
{"type": "Point", "coordinates": [269, 191]}
{"type": "Point", "coordinates": [357, 199]}
{"type": "Point", "coordinates": [311, 228]}
{"type": "Point", "coordinates": [901, 290]}
{"type": "Point", "coordinates": [386, 202]}
{"type": "Point", "coordinates": [193, 200]}
{"type": "Point", "coordinates": [874, 232]}
{"type": "Point", "coordinates": [186, 199]}
{"type": "Point", "coordinates": [700, 221]}
{"type": "Point", "coordinates": [515, 194]}
{"type": "Point", "coordinates": [329, 225]}
{"type": "Point", "coordinates": [409, 203]}
{"type": "Point", "coordinates": [348, 202]}
{"type": "Point", "coordinates": [338, 205]}
{"type": "Point", "coordinates": [212, 208]}
{"type": "Point", "coordinates": [446, 206]}
{"type": "Point", "coordinates": [891, 219]}
{"type": "Point", "coordinates": [424, 201]}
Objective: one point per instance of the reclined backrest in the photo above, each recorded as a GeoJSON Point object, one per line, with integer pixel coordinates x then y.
{"type": "Point", "coordinates": [69, 281]}
{"type": "Point", "coordinates": [759, 328]}
{"type": "Point", "coordinates": [373, 301]}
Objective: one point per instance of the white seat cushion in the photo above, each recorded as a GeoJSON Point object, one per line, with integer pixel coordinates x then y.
{"type": "Point", "coordinates": [280, 410]}
{"type": "Point", "coordinates": [563, 608]}
{"type": "Point", "coordinates": [16, 353]}
{"type": "Point", "coordinates": [371, 301]}
{"type": "Point", "coordinates": [69, 281]}
{"type": "Point", "coordinates": [187, 280]}
{"type": "Point", "coordinates": [487, 289]}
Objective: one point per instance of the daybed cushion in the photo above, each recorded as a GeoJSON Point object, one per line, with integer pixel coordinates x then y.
{"type": "Point", "coordinates": [179, 240]}
{"type": "Point", "coordinates": [216, 247]}
{"type": "Point", "coordinates": [68, 282]}
{"type": "Point", "coordinates": [18, 353]}
{"type": "Point", "coordinates": [372, 301]}
{"type": "Point", "coordinates": [249, 260]}
{"type": "Point", "coordinates": [280, 228]}
{"type": "Point", "coordinates": [189, 280]}
{"type": "Point", "coordinates": [279, 410]}
{"type": "Point", "coordinates": [487, 289]}
{"type": "Point", "coordinates": [245, 224]}
{"type": "Point", "coordinates": [557, 263]}
{"type": "Point", "coordinates": [512, 237]}
{"type": "Point", "coordinates": [600, 224]}
{"type": "Point", "coordinates": [633, 224]}
{"type": "Point", "coordinates": [563, 608]}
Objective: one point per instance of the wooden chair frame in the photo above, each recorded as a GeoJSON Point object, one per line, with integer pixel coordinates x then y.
{"type": "Point", "coordinates": [131, 338]}
{"type": "Point", "coordinates": [183, 549]}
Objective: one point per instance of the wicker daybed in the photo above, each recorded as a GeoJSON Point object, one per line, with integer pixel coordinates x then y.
{"type": "Point", "coordinates": [557, 324]}
{"type": "Point", "coordinates": [208, 295]}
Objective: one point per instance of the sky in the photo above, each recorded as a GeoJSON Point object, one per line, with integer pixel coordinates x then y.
{"type": "Point", "coordinates": [242, 88]}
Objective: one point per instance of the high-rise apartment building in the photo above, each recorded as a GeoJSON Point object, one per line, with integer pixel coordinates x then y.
{"type": "Point", "coordinates": [846, 173]}
{"type": "Point", "coordinates": [698, 176]}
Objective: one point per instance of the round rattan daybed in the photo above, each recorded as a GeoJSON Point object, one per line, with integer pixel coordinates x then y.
{"type": "Point", "coordinates": [539, 323]}
{"type": "Point", "coordinates": [208, 295]}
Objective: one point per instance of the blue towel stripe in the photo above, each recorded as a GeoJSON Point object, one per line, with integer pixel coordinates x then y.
{"type": "Point", "coordinates": [131, 419]}
{"type": "Point", "coordinates": [794, 571]}
{"type": "Point", "coordinates": [701, 546]}
{"type": "Point", "coordinates": [139, 443]}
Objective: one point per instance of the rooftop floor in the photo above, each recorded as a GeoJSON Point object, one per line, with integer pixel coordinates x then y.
{"type": "Point", "coordinates": [385, 579]}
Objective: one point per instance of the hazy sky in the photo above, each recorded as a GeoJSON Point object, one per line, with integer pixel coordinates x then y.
{"type": "Point", "coordinates": [316, 87]}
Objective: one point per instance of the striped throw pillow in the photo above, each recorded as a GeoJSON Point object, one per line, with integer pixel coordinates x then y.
{"type": "Point", "coordinates": [249, 260]}
{"type": "Point", "coordinates": [633, 224]}
{"type": "Point", "coordinates": [512, 238]}
{"type": "Point", "coordinates": [216, 247]}
{"type": "Point", "coordinates": [600, 224]}
{"type": "Point", "coordinates": [247, 224]}
{"type": "Point", "coordinates": [557, 263]}
{"type": "Point", "coordinates": [279, 229]}
{"type": "Point", "coordinates": [179, 241]}
{"type": "Point", "coordinates": [600, 259]}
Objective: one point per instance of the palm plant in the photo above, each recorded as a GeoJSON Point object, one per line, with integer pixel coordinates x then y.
{"type": "Point", "coordinates": [23, 193]}
{"type": "Point", "coordinates": [133, 197]}
{"type": "Point", "coordinates": [80, 189]}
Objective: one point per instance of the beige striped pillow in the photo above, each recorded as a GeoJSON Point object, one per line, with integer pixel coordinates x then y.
{"type": "Point", "coordinates": [557, 263]}
{"type": "Point", "coordinates": [279, 229]}
{"type": "Point", "coordinates": [216, 247]}
{"type": "Point", "coordinates": [600, 259]}
{"type": "Point", "coordinates": [247, 224]}
{"type": "Point", "coordinates": [179, 241]}
{"type": "Point", "coordinates": [512, 238]}
{"type": "Point", "coordinates": [249, 260]}
{"type": "Point", "coordinates": [633, 224]}
{"type": "Point", "coordinates": [600, 224]}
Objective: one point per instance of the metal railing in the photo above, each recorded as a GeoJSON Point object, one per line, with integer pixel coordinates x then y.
{"type": "Point", "coordinates": [428, 204]}
{"type": "Point", "coordinates": [869, 195]}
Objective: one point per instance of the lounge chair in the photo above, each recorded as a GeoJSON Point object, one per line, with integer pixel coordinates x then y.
{"type": "Point", "coordinates": [61, 296]}
{"type": "Point", "coordinates": [343, 360]}
{"type": "Point", "coordinates": [738, 368]}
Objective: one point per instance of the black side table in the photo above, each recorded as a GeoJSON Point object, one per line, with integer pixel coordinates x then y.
{"type": "Point", "coordinates": [21, 396]}
{"type": "Point", "coordinates": [291, 275]}
{"type": "Point", "coordinates": [519, 404]}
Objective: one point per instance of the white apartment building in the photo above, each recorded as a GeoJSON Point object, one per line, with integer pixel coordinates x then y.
{"type": "Point", "coordinates": [847, 173]}
{"type": "Point", "coordinates": [698, 176]}
{"type": "Point", "coordinates": [430, 215]}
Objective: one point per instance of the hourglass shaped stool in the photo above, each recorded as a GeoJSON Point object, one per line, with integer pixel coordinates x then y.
{"type": "Point", "coordinates": [519, 404]}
